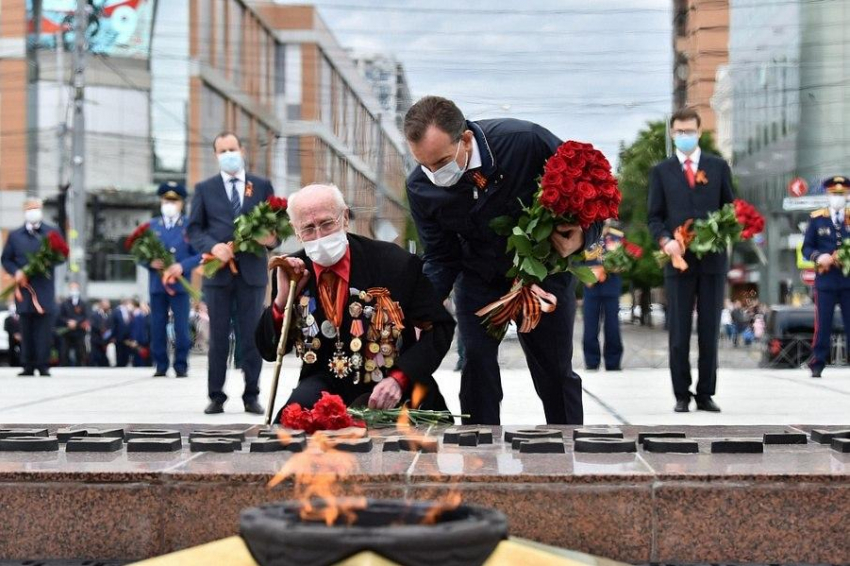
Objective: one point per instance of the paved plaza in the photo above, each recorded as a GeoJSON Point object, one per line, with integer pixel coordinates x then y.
{"type": "Point", "coordinates": [641, 394]}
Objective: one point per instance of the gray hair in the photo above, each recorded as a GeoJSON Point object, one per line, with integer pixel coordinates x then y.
{"type": "Point", "coordinates": [33, 201]}
{"type": "Point", "coordinates": [314, 190]}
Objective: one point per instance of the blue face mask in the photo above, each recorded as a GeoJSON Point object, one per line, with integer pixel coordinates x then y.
{"type": "Point", "coordinates": [231, 162]}
{"type": "Point", "coordinates": [686, 143]}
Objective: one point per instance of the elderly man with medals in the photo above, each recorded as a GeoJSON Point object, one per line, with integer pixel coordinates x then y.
{"type": "Point", "coordinates": [366, 323]}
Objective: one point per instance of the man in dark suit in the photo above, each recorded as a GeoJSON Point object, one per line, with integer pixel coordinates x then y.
{"type": "Point", "coordinates": [469, 174]}
{"type": "Point", "coordinates": [74, 324]}
{"type": "Point", "coordinates": [215, 206]}
{"type": "Point", "coordinates": [690, 185]}
{"type": "Point", "coordinates": [121, 331]}
{"type": "Point", "coordinates": [101, 333]}
{"type": "Point", "coordinates": [367, 321]}
{"type": "Point", "coordinates": [36, 327]}
{"type": "Point", "coordinates": [827, 228]}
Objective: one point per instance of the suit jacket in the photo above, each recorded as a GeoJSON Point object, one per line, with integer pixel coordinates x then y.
{"type": "Point", "coordinates": [18, 246]}
{"type": "Point", "coordinates": [823, 237]}
{"type": "Point", "coordinates": [175, 240]}
{"type": "Point", "coordinates": [454, 222]}
{"type": "Point", "coordinates": [211, 222]}
{"type": "Point", "coordinates": [379, 264]}
{"type": "Point", "coordinates": [78, 313]}
{"type": "Point", "coordinates": [672, 202]}
{"type": "Point", "coordinates": [101, 330]}
{"type": "Point", "coordinates": [120, 330]}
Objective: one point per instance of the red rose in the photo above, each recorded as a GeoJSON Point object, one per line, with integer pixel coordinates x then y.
{"type": "Point", "coordinates": [549, 198]}
{"type": "Point", "coordinates": [277, 203]}
{"type": "Point", "coordinates": [551, 180]}
{"type": "Point", "coordinates": [556, 164]}
{"type": "Point", "coordinates": [574, 171]}
{"type": "Point", "coordinates": [57, 244]}
{"type": "Point", "coordinates": [600, 174]}
{"type": "Point", "coordinates": [128, 243]}
{"type": "Point", "coordinates": [586, 189]}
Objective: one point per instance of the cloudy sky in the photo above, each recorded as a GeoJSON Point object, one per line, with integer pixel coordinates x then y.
{"type": "Point", "coordinates": [590, 70]}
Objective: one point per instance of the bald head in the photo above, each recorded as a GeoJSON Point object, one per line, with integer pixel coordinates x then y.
{"type": "Point", "coordinates": [317, 205]}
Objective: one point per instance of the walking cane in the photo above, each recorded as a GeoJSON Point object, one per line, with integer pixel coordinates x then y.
{"type": "Point", "coordinates": [281, 346]}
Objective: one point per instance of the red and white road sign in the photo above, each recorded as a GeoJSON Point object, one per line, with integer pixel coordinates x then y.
{"type": "Point", "coordinates": [798, 187]}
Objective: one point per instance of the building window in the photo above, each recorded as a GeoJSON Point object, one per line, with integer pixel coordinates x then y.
{"type": "Point", "coordinates": [236, 15]}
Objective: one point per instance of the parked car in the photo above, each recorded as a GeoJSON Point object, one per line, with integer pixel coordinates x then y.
{"type": "Point", "coordinates": [788, 335]}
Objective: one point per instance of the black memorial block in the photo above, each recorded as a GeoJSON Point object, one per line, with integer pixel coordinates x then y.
{"type": "Point", "coordinates": [152, 433]}
{"type": "Point", "coordinates": [64, 434]}
{"type": "Point", "coordinates": [360, 445]}
{"type": "Point", "coordinates": [467, 439]}
{"type": "Point", "coordinates": [289, 433]}
{"type": "Point", "coordinates": [391, 444]}
{"type": "Point", "coordinates": [531, 434]}
{"type": "Point", "coordinates": [482, 435]}
{"type": "Point", "coordinates": [417, 444]}
{"type": "Point", "coordinates": [350, 432]}
{"type": "Point", "coordinates": [737, 446]}
{"type": "Point", "coordinates": [18, 432]}
{"type": "Point", "coordinates": [643, 436]}
{"type": "Point", "coordinates": [276, 445]}
{"type": "Point", "coordinates": [94, 444]}
{"type": "Point", "coordinates": [29, 444]}
{"type": "Point", "coordinates": [597, 433]}
{"type": "Point", "coordinates": [670, 445]}
{"type": "Point", "coordinates": [785, 438]}
{"type": "Point", "coordinates": [154, 444]}
{"type": "Point", "coordinates": [605, 445]}
{"type": "Point", "coordinates": [541, 446]}
{"type": "Point", "coordinates": [202, 444]}
{"type": "Point", "coordinates": [827, 436]}
{"type": "Point", "coordinates": [841, 445]}
{"type": "Point", "coordinates": [223, 433]}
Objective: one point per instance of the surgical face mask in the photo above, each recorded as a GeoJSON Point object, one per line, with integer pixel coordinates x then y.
{"type": "Point", "coordinates": [231, 161]}
{"type": "Point", "coordinates": [170, 209]}
{"type": "Point", "coordinates": [328, 250]}
{"type": "Point", "coordinates": [448, 174]}
{"type": "Point", "coordinates": [837, 202]}
{"type": "Point", "coordinates": [686, 143]}
{"type": "Point", "coordinates": [75, 293]}
{"type": "Point", "coordinates": [33, 215]}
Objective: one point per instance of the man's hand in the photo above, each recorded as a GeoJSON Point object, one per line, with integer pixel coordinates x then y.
{"type": "Point", "coordinates": [567, 239]}
{"type": "Point", "coordinates": [386, 394]}
{"type": "Point", "coordinates": [72, 324]}
{"type": "Point", "coordinates": [222, 252]}
{"type": "Point", "coordinates": [825, 260]}
{"type": "Point", "coordinates": [287, 269]}
{"type": "Point", "coordinates": [158, 264]}
{"type": "Point", "coordinates": [267, 241]}
{"type": "Point", "coordinates": [174, 271]}
{"type": "Point", "coordinates": [673, 248]}
{"type": "Point", "coordinates": [21, 277]}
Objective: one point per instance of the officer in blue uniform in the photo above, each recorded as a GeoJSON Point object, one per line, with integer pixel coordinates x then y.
{"type": "Point", "coordinates": [828, 227]}
{"type": "Point", "coordinates": [602, 300]}
{"type": "Point", "coordinates": [171, 229]}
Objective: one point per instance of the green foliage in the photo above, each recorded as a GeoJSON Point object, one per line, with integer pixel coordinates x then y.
{"type": "Point", "coordinates": [646, 273]}
{"type": "Point", "coordinates": [716, 232]}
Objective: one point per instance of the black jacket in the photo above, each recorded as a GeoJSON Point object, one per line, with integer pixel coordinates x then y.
{"type": "Point", "coordinates": [379, 264]}
{"type": "Point", "coordinates": [78, 313]}
{"type": "Point", "coordinates": [672, 202]}
{"type": "Point", "coordinates": [454, 222]}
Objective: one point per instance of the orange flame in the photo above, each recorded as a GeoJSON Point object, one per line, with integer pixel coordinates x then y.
{"type": "Point", "coordinates": [449, 502]}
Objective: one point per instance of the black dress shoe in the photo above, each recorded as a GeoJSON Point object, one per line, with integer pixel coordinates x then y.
{"type": "Point", "coordinates": [682, 405]}
{"type": "Point", "coordinates": [214, 408]}
{"type": "Point", "coordinates": [182, 374]}
{"type": "Point", "coordinates": [592, 368]}
{"type": "Point", "coordinates": [707, 404]}
{"type": "Point", "coordinates": [159, 373]}
{"type": "Point", "coordinates": [817, 371]}
{"type": "Point", "coordinates": [27, 373]}
{"type": "Point", "coordinates": [255, 408]}
{"type": "Point", "coordinates": [44, 373]}
{"type": "Point", "coordinates": [614, 368]}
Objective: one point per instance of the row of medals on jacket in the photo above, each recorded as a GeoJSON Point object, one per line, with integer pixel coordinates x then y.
{"type": "Point", "coordinates": [380, 346]}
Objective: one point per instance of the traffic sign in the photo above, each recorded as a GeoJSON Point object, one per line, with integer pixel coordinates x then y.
{"type": "Point", "coordinates": [798, 187]}
{"type": "Point", "coordinates": [807, 276]}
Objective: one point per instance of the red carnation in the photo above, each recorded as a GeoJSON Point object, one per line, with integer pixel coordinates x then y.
{"type": "Point", "coordinates": [57, 244]}
{"type": "Point", "coordinates": [294, 416]}
{"type": "Point", "coordinates": [277, 203]}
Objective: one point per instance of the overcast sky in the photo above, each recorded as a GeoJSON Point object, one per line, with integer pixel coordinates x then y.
{"type": "Point", "coordinates": [589, 70]}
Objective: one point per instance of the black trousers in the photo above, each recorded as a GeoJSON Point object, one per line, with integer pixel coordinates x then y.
{"type": "Point", "coordinates": [36, 338]}
{"type": "Point", "coordinates": [548, 350]}
{"type": "Point", "coordinates": [683, 291]}
{"type": "Point", "coordinates": [74, 341]}
{"type": "Point", "coordinates": [249, 306]}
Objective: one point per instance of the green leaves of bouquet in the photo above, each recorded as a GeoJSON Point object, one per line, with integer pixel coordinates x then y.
{"type": "Point", "coordinates": [717, 232]}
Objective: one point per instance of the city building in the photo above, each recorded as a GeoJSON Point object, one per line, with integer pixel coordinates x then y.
{"type": "Point", "coordinates": [700, 46]}
{"type": "Point", "coordinates": [162, 79]}
{"type": "Point", "coordinates": [786, 107]}
{"type": "Point", "coordinates": [389, 84]}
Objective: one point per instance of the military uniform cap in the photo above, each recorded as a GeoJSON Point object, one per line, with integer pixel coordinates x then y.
{"type": "Point", "coordinates": [837, 185]}
{"type": "Point", "coordinates": [172, 191]}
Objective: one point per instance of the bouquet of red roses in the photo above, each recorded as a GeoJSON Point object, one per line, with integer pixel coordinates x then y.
{"type": "Point", "coordinates": [53, 251]}
{"type": "Point", "coordinates": [733, 223]}
{"type": "Point", "coordinates": [619, 260]}
{"type": "Point", "coordinates": [269, 217]}
{"type": "Point", "coordinates": [146, 247]}
{"type": "Point", "coordinates": [330, 413]}
{"type": "Point", "coordinates": [577, 187]}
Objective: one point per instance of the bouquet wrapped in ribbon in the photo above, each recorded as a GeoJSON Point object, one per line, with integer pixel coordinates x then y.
{"type": "Point", "coordinates": [619, 260]}
{"type": "Point", "coordinates": [733, 223]}
{"type": "Point", "coordinates": [577, 187]}
{"type": "Point", "coordinates": [267, 218]}
{"type": "Point", "coordinates": [146, 247]}
{"type": "Point", "coordinates": [53, 251]}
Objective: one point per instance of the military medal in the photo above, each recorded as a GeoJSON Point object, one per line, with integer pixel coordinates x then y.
{"type": "Point", "coordinates": [388, 362]}
{"type": "Point", "coordinates": [310, 357]}
{"type": "Point", "coordinates": [370, 365]}
{"type": "Point", "coordinates": [309, 320]}
{"type": "Point", "coordinates": [356, 361]}
{"type": "Point", "coordinates": [386, 350]}
{"type": "Point", "coordinates": [355, 310]}
{"type": "Point", "coordinates": [316, 343]}
{"type": "Point", "coordinates": [374, 348]}
{"type": "Point", "coordinates": [377, 375]}
{"type": "Point", "coordinates": [356, 344]}
{"type": "Point", "coordinates": [328, 329]}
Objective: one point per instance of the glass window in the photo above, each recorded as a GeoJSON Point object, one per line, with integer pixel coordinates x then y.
{"type": "Point", "coordinates": [219, 23]}
{"type": "Point", "coordinates": [205, 26]}
{"type": "Point", "coordinates": [236, 15]}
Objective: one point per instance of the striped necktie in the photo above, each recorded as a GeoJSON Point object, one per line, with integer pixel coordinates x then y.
{"type": "Point", "coordinates": [234, 197]}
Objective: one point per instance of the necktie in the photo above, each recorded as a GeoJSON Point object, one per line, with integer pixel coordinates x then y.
{"type": "Point", "coordinates": [234, 197]}
{"type": "Point", "coordinates": [689, 174]}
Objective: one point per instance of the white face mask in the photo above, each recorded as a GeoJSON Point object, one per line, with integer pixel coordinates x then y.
{"type": "Point", "coordinates": [328, 250]}
{"type": "Point", "coordinates": [448, 174]}
{"type": "Point", "coordinates": [170, 209]}
{"type": "Point", "coordinates": [231, 162]}
{"type": "Point", "coordinates": [33, 215]}
{"type": "Point", "coordinates": [837, 202]}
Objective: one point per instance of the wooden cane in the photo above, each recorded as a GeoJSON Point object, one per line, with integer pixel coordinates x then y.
{"type": "Point", "coordinates": [281, 347]}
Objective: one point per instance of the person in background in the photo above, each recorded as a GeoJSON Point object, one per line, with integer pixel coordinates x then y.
{"type": "Point", "coordinates": [602, 301]}
{"type": "Point", "coordinates": [120, 325]}
{"type": "Point", "coordinates": [140, 338]}
{"type": "Point", "coordinates": [73, 324]}
{"type": "Point", "coordinates": [12, 327]}
{"type": "Point", "coordinates": [101, 333]}
{"type": "Point", "coordinates": [739, 321]}
{"type": "Point", "coordinates": [36, 323]}
{"type": "Point", "coordinates": [726, 321]}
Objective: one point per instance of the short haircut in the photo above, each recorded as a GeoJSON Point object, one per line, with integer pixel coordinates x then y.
{"type": "Point", "coordinates": [685, 114]}
{"type": "Point", "coordinates": [328, 188]}
{"type": "Point", "coordinates": [433, 111]}
{"type": "Point", "coordinates": [33, 201]}
{"type": "Point", "coordinates": [224, 135]}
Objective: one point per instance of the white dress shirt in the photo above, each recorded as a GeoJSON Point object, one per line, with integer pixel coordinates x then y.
{"type": "Point", "coordinates": [694, 157]}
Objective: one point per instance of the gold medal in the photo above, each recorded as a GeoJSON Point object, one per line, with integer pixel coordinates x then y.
{"type": "Point", "coordinates": [304, 301]}
{"type": "Point", "coordinates": [374, 348]}
{"type": "Point", "coordinates": [386, 350]}
{"type": "Point", "coordinates": [356, 344]}
{"type": "Point", "coordinates": [310, 357]}
{"type": "Point", "coordinates": [316, 343]}
{"type": "Point", "coordinates": [339, 365]}
{"type": "Point", "coordinates": [388, 362]}
{"type": "Point", "coordinates": [385, 334]}
{"type": "Point", "coordinates": [355, 310]}
{"type": "Point", "coordinates": [370, 365]}
{"type": "Point", "coordinates": [367, 377]}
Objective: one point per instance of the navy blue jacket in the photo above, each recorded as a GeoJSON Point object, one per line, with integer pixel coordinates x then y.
{"type": "Point", "coordinates": [120, 330]}
{"type": "Point", "coordinates": [18, 246]}
{"type": "Point", "coordinates": [672, 202]}
{"type": "Point", "coordinates": [822, 237]}
{"type": "Point", "coordinates": [454, 222]}
{"type": "Point", "coordinates": [211, 222]}
{"type": "Point", "coordinates": [176, 241]}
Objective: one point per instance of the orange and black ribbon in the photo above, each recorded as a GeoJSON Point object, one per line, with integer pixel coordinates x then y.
{"type": "Point", "coordinates": [20, 297]}
{"type": "Point", "coordinates": [528, 301]}
{"type": "Point", "coordinates": [388, 310]}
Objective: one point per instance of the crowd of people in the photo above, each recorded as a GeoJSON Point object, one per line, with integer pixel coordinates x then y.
{"type": "Point", "coordinates": [743, 322]}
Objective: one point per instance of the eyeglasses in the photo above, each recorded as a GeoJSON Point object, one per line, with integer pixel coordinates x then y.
{"type": "Point", "coordinates": [310, 231]}
{"type": "Point", "coordinates": [685, 132]}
